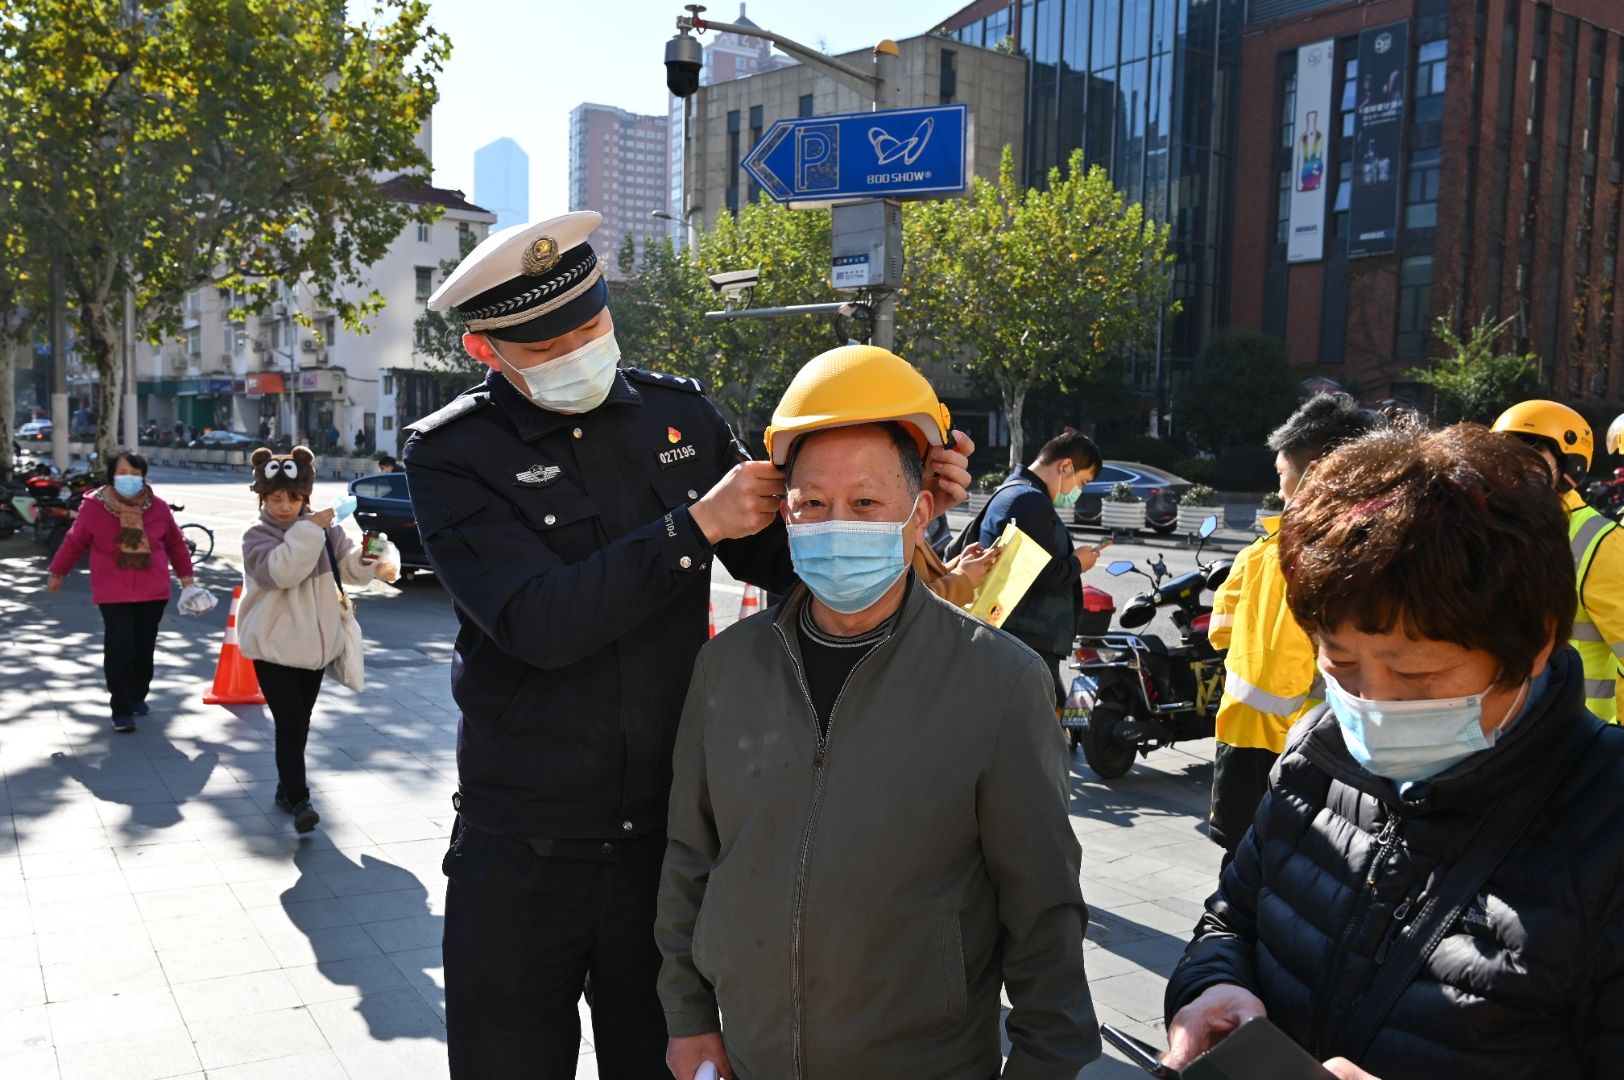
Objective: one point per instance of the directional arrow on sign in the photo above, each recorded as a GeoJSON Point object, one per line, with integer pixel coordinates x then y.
{"type": "Point", "coordinates": [892, 153]}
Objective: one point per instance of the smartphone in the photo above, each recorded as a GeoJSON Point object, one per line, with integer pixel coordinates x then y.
{"type": "Point", "coordinates": [1141, 1054]}
{"type": "Point", "coordinates": [1103, 545]}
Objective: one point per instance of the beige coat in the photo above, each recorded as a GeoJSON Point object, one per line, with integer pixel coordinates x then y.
{"type": "Point", "coordinates": [289, 613]}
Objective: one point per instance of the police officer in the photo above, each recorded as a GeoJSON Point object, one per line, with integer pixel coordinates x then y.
{"type": "Point", "coordinates": [572, 509]}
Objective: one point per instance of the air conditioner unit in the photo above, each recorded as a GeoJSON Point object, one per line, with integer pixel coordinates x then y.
{"type": "Point", "coordinates": [177, 363]}
{"type": "Point", "coordinates": [321, 358]}
{"type": "Point", "coordinates": [308, 345]}
{"type": "Point", "coordinates": [259, 344]}
{"type": "Point", "coordinates": [279, 310]}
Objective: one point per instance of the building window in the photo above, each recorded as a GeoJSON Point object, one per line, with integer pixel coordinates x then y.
{"type": "Point", "coordinates": [329, 330]}
{"type": "Point", "coordinates": [1431, 74]}
{"type": "Point", "coordinates": [733, 161]}
{"type": "Point", "coordinates": [389, 423]}
{"type": "Point", "coordinates": [1288, 132]}
{"type": "Point", "coordinates": [388, 384]}
{"type": "Point", "coordinates": [1414, 305]}
{"type": "Point", "coordinates": [950, 75]}
{"type": "Point", "coordinates": [1421, 190]}
{"type": "Point", "coordinates": [422, 233]}
{"type": "Point", "coordinates": [425, 282]}
{"type": "Point", "coordinates": [755, 138]}
{"type": "Point", "coordinates": [194, 343]}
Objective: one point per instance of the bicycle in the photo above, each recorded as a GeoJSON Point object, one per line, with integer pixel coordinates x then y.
{"type": "Point", "coordinates": [199, 538]}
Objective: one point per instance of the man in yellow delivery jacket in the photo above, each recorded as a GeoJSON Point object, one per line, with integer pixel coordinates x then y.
{"type": "Point", "coordinates": [1565, 440]}
{"type": "Point", "coordinates": [1270, 678]}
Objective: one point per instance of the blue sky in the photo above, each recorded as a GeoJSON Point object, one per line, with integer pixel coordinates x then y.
{"type": "Point", "coordinates": [517, 68]}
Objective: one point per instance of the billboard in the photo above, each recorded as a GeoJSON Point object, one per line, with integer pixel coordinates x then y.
{"type": "Point", "coordinates": [1378, 133]}
{"type": "Point", "coordinates": [1316, 67]}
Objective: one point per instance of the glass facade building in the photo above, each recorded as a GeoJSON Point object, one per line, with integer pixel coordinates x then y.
{"type": "Point", "coordinates": [1146, 88]}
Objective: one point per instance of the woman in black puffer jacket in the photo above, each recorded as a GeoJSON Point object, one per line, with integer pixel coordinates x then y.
{"type": "Point", "coordinates": [1428, 566]}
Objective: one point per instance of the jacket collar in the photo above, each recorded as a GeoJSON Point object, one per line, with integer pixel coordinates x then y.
{"type": "Point", "coordinates": [1024, 475]}
{"type": "Point", "coordinates": [914, 598]}
{"type": "Point", "coordinates": [1476, 782]}
{"type": "Point", "coordinates": [1572, 500]}
{"type": "Point", "coordinates": [534, 422]}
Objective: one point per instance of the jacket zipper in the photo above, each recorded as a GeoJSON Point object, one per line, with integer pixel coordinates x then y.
{"type": "Point", "coordinates": [1384, 846]}
{"type": "Point", "coordinates": [804, 858]}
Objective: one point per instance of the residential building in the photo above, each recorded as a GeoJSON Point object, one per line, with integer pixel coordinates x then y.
{"type": "Point", "coordinates": [618, 167]}
{"type": "Point", "coordinates": [230, 369]}
{"type": "Point", "coordinates": [502, 181]}
{"type": "Point", "coordinates": [1148, 89]}
{"type": "Point", "coordinates": [726, 57]}
{"type": "Point", "coordinates": [1497, 190]}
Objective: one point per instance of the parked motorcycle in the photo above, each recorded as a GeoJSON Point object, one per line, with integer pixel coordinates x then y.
{"type": "Point", "coordinates": [1607, 496]}
{"type": "Point", "coordinates": [1133, 693]}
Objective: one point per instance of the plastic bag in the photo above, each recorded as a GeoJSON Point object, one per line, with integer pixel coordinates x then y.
{"type": "Point", "coordinates": [195, 600]}
{"type": "Point", "coordinates": [390, 554]}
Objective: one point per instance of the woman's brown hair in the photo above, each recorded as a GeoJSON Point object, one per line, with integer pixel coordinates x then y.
{"type": "Point", "coordinates": [1455, 535]}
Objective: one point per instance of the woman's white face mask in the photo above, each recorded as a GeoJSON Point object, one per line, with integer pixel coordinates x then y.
{"type": "Point", "coordinates": [576, 382]}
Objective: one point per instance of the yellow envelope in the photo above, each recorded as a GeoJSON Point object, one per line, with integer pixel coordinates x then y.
{"type": "Point", "coordinates": [1023, 559]}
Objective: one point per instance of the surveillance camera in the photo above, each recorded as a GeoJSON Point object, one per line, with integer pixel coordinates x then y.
{"type": "Point", "coordinates": [734, 281]}
{"type": "Point", "coordinates": [683, 60]}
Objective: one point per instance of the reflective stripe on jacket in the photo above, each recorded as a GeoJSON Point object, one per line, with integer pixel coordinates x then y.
{"type": "Point", "coordinates": [1270, 679]}
{"type": "Point", "coordinates": [1598, 624]}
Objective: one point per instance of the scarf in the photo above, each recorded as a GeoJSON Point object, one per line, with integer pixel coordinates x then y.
{"type": "Point", "coordinates": [134, 550]}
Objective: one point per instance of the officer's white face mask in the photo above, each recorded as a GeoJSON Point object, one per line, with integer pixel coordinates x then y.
{"type": "Point", "coordinates": [576, 382]}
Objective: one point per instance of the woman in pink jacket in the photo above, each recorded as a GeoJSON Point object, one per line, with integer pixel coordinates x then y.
{"type": "Point", "coordinates": [132, 539]}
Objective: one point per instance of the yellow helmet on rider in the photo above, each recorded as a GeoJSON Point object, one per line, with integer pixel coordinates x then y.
{"type": "Point", "coordinates": [1556, 427]}
{"type": "Point", "coordinates": [857, 384]}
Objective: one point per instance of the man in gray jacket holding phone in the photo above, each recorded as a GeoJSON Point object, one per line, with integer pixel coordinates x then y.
{"type": "Point", "coordinates": [869, 831]}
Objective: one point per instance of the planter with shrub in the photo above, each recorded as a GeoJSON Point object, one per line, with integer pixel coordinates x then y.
{"type": "Point", "coordinates": [1119, 510]}
{"type": "Point", "coordinates": [1197, 505]}
{"type": "Point", "coordinates": [1272, 506]}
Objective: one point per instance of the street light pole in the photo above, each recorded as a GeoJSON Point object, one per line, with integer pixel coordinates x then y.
{"type": "Point", "coordinates": [693, 230]}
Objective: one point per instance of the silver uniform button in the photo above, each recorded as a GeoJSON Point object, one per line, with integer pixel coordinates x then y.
{"type": "Point", "coordinates": [550, 519]}
{"type": "Point", "coordinates": [577, 433]}
{"type": "Point", "coordinates": [626, 826]}
{"type": "Point", "coordinates": [685, 562]}
{"type": "Point", "coordinates": [692, 494]}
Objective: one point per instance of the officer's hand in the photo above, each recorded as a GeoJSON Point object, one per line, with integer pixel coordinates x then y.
{"type": "Point", "coordinates": [684, 1056]}
{"type": "Point", "coordinates": [322, 518]}
{"type": "Point", "coordinates": [742, 503]}
{"type": "Point", "coordinates": [947, 472]}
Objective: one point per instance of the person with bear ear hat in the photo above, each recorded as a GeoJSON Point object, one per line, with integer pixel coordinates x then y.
{"type": "Point", "coordinates": [289, 621]}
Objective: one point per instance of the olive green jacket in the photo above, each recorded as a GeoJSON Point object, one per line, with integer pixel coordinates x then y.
{"type": "Point", "coordinates": [850, 905]}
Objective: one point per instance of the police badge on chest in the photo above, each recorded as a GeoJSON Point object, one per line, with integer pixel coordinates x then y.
{"type": "Point", "coordinates": [678, 454]}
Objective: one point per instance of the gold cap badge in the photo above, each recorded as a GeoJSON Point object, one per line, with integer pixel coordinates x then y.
{"type": "Point", "coordinates": [541, 256]}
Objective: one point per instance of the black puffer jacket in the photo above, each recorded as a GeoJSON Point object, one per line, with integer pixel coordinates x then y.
{"type": "Point", "coordinates": [1528, 983]}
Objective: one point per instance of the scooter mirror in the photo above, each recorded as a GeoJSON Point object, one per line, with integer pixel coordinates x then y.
{"type": "Point", "coordinates": [1209, 526]}
{"type": "Point", "coordinates": [1120, 567]}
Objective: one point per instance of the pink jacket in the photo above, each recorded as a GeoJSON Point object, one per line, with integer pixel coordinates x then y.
{"type": "Point", "coordinates": [96, 529]}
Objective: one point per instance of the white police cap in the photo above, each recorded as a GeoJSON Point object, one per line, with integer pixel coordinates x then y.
{"type": "Point", "coordinates": [529, 282]}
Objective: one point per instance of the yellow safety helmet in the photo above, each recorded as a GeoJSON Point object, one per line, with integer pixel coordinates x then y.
{"type": "Point", "coordinates": [857, 384]}
{"type": "Point", "coordinates": [1563, 430]}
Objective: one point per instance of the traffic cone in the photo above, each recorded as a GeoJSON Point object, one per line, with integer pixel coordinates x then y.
{"type": "Point", "coordinates": [749, 604]}
{"type": "Point", "coordinates": [712, 606]}
{"type": "Point", "coordinates": [234, 680]}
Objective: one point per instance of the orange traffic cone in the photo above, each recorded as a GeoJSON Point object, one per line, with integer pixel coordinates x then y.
{"type": "Point", "coordinates": [749, 604]}
{"type": "Point", "coordinates": [234, 679]}
{"type": "Point", "coordinates": [712, 619]}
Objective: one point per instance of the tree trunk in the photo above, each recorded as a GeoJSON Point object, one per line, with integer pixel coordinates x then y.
{"type": "Point", "coordinates": [8, 402]}
{"type": "Point", "coordinates": [99, 349]}
{"type": "Point", "coordinates": [1014, 406]}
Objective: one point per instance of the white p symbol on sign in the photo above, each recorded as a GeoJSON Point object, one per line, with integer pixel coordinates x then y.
{"type": "Point", "coordinates": [817, 157]}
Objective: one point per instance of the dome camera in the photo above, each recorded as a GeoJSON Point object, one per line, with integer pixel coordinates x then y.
{"type": "Point", "coordinates": [683, 60]}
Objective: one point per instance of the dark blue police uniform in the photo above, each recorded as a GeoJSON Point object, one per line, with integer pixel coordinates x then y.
{"type": "Point", "coordinates": [581, 586]}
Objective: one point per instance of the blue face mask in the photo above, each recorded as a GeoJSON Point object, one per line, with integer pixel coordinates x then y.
{"type": "Point", "coordinates": [344, 506]}
{"type": "Point", "coordinates": [1406, 741]}
{"type": "Point", "coordinates": [129, 486]}
{"type": "Point", "coordinates": [849, 565]}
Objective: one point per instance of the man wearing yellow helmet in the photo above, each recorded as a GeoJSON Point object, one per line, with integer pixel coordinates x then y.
{"type": "Point", "coordinates": [1564, 439]}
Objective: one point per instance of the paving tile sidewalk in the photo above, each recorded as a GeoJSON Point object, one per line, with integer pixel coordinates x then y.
{"type": "Point", "coordinates": [159, 918]}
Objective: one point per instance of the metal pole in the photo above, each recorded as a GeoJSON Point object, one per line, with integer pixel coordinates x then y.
{"type": "Point", "coordinates": [690, 182]}
{"type": "Point", "coordinates": [59, 369]}
{"type": "Point", "coordinates": [132, 409]}
{"type": "Point", "coordinates": [887, 95]}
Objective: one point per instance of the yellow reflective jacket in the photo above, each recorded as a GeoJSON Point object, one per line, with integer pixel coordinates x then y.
{"type": "Point", "coordinates": [1270, 678]}
{"type": "Point", "coordinates": [1598, 629]}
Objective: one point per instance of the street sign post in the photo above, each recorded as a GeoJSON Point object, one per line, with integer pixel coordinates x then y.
{"type": "Point", "coordinates": [885, 154]}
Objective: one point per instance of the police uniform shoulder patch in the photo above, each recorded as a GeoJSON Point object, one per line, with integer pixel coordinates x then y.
{"type": "Point", "coordinates": [458, 408]}
{"type": "Point", "coordinates": [660, 378]}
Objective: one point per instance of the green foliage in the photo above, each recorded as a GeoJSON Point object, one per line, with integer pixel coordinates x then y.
{"type": "Point", "coordinates": [1196, 470]}
{"type": "Point", "coordinates": [1121, 492]}
{"type": "Point", "coordinates": [1241, 388]}
{"type": "Point", "coordinates": [1027, 286]}
{"type": "Point", "coordinates": [744, 364]}
{"type": "Point", "coordinates": [167, 146]}
{"type": "Point", "coordinates": [1145, 449]}
{"type": "Point", "coordinates": [1199, 495]}
{"type": "Point", "coordinates": [1272, 502]}
{"type": "Point", "coordinates": [1475, 381]}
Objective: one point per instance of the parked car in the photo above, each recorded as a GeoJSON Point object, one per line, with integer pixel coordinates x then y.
{"type": "Point", "coordinates": [35, 430]}
{"type": "Point", "coordinates": [1158, 489]}
{"type": "Point", "coordinates": [227, 440]}
{"type": "Point", "coordinates": [382, 505]}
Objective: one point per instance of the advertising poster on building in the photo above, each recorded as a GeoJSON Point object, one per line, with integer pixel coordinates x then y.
{"type": "Point", "coordinates": [1378, 133]}
{"type": "Point", "coordinates": [1316, 64]}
